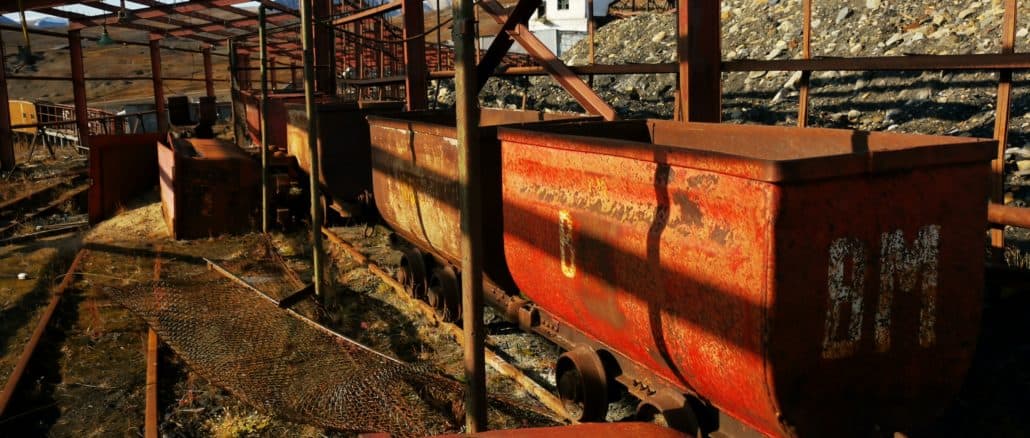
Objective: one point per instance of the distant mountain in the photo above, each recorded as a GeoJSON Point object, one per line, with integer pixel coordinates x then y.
{"type": "Point", "coordinates": [49, 23]}
{"type": "Point", "coordinates": [7, 21]}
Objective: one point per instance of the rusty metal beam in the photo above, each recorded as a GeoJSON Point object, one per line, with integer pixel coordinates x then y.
{"type": "Point", "coordinates": [127, 43]}
{"type": "Point", "coordinates": [79, 86]}
{"type": "Point", "coordinates": [806, 53]}
{"type": "Point", "coordinates": [11, 6]}
{"type": "Point", "coordinates": [314, 187]}
{"type": "Point", "coordinates": [699, 56]}
{"type": "Point", "coordinates": [554, 66]}
{"type": "Point", "coordinates": [1004, 215]}
{"type": "Point", "coordinates": [369, 12]}
{"type": "Point", "coordinates": [324, 47]}
{"type": "Point", "coordinates": [159, 91]}
{"type": "Point", "coordinates": [415, 55]}
{"type": "Point", "coordinates": [37, 334]}
{"type": "Point", "coordinates": [502, 41]}
{"type": "Point", "coordinates": [264, 120]}
{"type": "Point", "coordinates": [209, 76]}
{"type": "Point", "coordinates": [150, 416]}
{"type": "Point", "coordinates": [985, 61]}
{"type": "Point", "coordinates": [1001, 121]}
{"type": "Point", "coordinates": [6, 134]}
{"type": "Point", "coordinates": [470, 185]}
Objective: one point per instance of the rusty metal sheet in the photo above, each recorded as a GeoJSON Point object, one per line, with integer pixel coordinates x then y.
{"type": "Point", "coordinates": [763, 269]}
{"type": "Point", "coordinates": [415, 180]}
{"type": "Point", "coordinates": [343, 146]}
{"type": "Point", "coordinates": [121, 167]}
{"type": "Point", "coordinates": [208, 188]}
{"type": "Point", "coordinates": [277, 117]}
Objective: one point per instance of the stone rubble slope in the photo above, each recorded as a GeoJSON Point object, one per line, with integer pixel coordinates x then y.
{"type": "Point", "coordinates": [932, 102]}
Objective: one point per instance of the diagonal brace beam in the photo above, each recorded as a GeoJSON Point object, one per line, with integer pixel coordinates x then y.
{"type": "Point", "coordinates": [503, 41]}
{"type": "Point", "coordinates": [551, 64]}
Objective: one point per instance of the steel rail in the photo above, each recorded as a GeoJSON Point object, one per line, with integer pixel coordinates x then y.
{"type": "Point", "coordinates": [37, 334]}
{"type": "Point", "coordinates": [495, 361]}
{"type": "Point", "coordinates": [150, 415]}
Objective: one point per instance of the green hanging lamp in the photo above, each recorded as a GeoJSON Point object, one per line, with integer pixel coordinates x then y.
{"type": "Point", "coordinates": [105, 38]}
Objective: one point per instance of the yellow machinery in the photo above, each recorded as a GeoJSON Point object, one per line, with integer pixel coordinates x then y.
{"type": "Point", "coordinates": [23, 113]}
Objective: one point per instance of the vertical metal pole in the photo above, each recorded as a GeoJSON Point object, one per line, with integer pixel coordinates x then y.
{"type": "Point", "coordinates": [332, 60]}
{"type": "Point", "coordinates": [414, 55]}
{"type": "Point", "coordinates": [25, 28]}
{"type": "Point", "coordinates": [263, 42]}
{"type": "Point", "coordinates": [232, 67]}
{"type": "Point", "coordinates": [209, 76]}
{"type": "Point", "coordinates": [469, 183]}
{"type": "Point", "coordinates": [6, 134]}
{"type": "Point", "coordinates": [1001, 123]}
{"type": "Point", "coordinates": [475, 10]}
{"type": "Point", "coordinates": [79, 86]}
{"type": "Point", "coordinates": [439, 43]}
{"type": "Point", "coordinates": [590, 35]}
{"type": "Point", "coordinates": [309, 103]}
{"type": "Point", "coordinates": [806, 53]}
{"type": "Point", "coordinates": [590, 31]}
{"type": "Point", "coordinates": [323, 48]}
{"type": "Point", "coordinates": [700, 58]}
{"type": "Point", "coordinates": [159, 91]}
{"type": "Point", "coordinates": [239, 135]}
{"type": "Point", "coordinates": [272, 74]}
{"type": "Point", "coordinates": [245, 72]}
{"type": "Point", "coordinates": [381, 60]}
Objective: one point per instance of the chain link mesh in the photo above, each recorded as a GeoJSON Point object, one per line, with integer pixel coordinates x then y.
{"type": "Point", "coordinates": [283, 364]}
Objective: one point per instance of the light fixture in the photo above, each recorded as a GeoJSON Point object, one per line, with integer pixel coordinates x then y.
{"type": "Point", "coordinates": [124, 14]}
{"type": "Point", "coordinates": [105, 38]}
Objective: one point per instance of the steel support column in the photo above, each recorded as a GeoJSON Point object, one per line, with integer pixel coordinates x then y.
{"type": "Point", "coordinates": [79, 86]}
{"type": "Point", "coordinates": [159, 91]}
{"type": "Point", "coordinates": [209, 76]}
{"type": "Point", "coordinates": [6, 134]}
{"type": "Point", "coordinates": [311, 111]}
{"type": "Point", "coordinates": [700, 58]}
{"type": "Point", "coordinates": [1001, 123]}
{"type": "Point", "coordinates": [244, 72]}
{"type": "Point", "coordinates": [239, 132]}
{"type": "Point", "coordinates": [324, 51]}
{"type": "Point", "coordinates": [272, 74]}
{"type": "Point", "coordinates": [263, 42]}
{"type": "Point", "coordinates": [415, 55]}
{"type": "Point", "coordinates": [470, 186]}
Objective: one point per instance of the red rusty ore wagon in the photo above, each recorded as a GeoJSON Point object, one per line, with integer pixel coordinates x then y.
{"type": "Point", "coordinates": [809, 282]}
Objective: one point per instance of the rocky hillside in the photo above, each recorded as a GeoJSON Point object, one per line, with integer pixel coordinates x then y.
{"type": "Point", "coordinates": [932, 102]}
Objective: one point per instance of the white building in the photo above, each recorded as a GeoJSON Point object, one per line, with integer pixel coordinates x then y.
{"type": "Point", "coordinates": [561, 23]}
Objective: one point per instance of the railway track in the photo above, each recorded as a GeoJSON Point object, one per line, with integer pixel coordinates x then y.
{"type": "Point", "coordinates": [34, 205]}
{"type": "Point", "coordinates": [493, 360]}
{"type": "Point", "coordinates": [37, 334]}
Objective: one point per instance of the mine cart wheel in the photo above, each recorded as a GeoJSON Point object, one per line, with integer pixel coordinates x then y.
{"type": "Point", "coordinates": [444, 293]}
{"type": "Point", "coordinates": [412, 273]}
{"type": "Point", "coordinates": [670, 410]}
{"type": "Point", "coordinates": [583, 384]}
